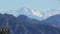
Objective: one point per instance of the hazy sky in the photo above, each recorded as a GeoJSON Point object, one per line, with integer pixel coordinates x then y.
{"type": "Point", "coordinates": [42, 5]}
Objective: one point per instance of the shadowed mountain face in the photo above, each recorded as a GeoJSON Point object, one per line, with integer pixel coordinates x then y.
{"type": "Point", "coordinates": [53, 20]}
{"type": "Point", "coordinates": [25, 25]}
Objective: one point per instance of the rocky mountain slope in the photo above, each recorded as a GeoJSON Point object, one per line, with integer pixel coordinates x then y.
{"type": "Point", "coordinates": [25, 25]}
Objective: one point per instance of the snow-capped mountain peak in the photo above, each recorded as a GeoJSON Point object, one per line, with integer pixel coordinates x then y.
{"type": "Point", "coordinates": [33, 13]}
{"type": "Point", "coordinates": [29, 12]}
{"type": "Point", "coordinates": [52, 13]}
{"type": "Point", "coordinates": [36, 13]}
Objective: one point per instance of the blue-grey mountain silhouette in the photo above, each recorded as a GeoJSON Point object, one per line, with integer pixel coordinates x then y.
{"type": "Point", "coordinates": [53, 20]}
{"type": "Point", "coordinates": [25, 25]}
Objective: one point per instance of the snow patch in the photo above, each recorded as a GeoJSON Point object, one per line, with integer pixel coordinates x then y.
{"type": "Point", "coordinates": [36, 13]}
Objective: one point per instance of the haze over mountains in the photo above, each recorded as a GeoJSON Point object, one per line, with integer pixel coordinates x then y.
{"type": "Point", "coordinates": [31, 21]}
{"type": "Point", "coordinates": [25, 25]}
{"type": "Point", "coordinates": [53, 20]}
{"type": "Point", "coordinates": [32, 13]}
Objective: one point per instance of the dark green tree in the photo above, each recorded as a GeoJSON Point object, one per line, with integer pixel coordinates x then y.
{"type": "Point", "coordinates": [4, 30]}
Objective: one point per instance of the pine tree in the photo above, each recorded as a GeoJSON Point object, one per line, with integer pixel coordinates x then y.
{"type": "Point", "coordinates": [4, 30]}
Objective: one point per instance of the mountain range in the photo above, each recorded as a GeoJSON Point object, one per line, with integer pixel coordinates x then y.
{"type": "Point", "coordinates": [32, 13]}
{"type": "Point", "coordinates": [55, 20]}
{"type": "Point", "coordinates": [25, 25]}
{"type": "Point", "coordinates": [31, 21]}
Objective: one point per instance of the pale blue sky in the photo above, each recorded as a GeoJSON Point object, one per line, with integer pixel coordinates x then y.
{"type": "Point", "coordinates": [42, 5]}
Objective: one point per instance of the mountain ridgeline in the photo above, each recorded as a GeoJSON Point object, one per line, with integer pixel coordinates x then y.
{"type": "Point", "coordinates": [25, 25]}
{"type": "Point", "coordinates": [53, 20]}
